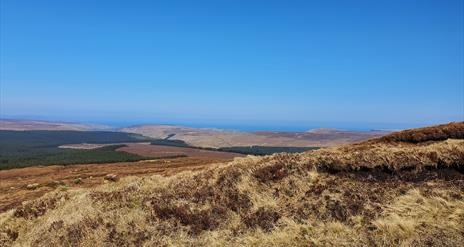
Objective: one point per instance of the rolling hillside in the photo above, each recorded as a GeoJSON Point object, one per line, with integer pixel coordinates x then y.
{"type": "Point", "coordinates": [217, 138]}
{"type": "Point", "coordinates": [404, 189]}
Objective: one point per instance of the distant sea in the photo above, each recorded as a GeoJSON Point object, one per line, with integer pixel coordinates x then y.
{"type": "Point", "coordinates": [251, 127]}
{"type": "Point", "coordinates": [244, 126]}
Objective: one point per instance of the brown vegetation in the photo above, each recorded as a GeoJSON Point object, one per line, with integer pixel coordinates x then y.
{"type": "Point", "coordinates": [376, 193]}
{"type": "Point", "coordinates": [18, 185]}
{"type": "Point", "coordinates": [216, 138]}
{"type": "Point", "coordinates": [163, 151]}
{"type": "Point", "coordinates": [433, 133]}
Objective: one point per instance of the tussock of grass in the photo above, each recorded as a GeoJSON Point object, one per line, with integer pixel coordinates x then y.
{"type": "Point", "coordinates": [413, 219]}
{"type": "Point", "coordinates": [390, 157]}
{"type": "Point", "coordinates": [368, 194]}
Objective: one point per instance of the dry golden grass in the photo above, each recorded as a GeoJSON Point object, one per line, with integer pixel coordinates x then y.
{"type": "Point", "coordinates": [394, 157]}
{"type": "Point", "coordinates": [378, 193]}
{"type": "Point", "coordinates": [442, 132]}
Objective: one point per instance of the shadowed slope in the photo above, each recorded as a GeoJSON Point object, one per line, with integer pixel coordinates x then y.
{"type": "Point", "coordinates": [376, 193]}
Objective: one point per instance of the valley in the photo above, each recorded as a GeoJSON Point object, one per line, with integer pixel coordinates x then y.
{"type": "Point", "coordinates": [405, 188]}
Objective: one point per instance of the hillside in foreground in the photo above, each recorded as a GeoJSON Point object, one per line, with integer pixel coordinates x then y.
{"type": "Point", "coordinates": [403, 189]}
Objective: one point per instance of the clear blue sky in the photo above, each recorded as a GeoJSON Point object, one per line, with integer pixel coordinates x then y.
{"type": "Point", "coordinates": [226, 62]}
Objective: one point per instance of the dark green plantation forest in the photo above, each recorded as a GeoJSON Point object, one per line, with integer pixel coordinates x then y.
{"type": "Point", "coordinates": [28, 148]}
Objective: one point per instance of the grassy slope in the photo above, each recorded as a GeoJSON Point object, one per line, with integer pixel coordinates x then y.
{"type": "Point", "coordinates": [378, 193]}
{"type": "Point", "coordinates": [28, 148]}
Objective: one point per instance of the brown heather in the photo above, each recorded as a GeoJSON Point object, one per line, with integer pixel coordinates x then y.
{"type": "Point", "coordinates": [405, 189]}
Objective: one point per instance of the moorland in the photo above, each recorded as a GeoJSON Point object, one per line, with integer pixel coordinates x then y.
{"type": "Point", "coordinates": [402, 189]}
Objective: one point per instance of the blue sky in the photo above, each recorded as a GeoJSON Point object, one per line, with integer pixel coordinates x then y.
{"type": "Point", "coordinates": [261, 63]}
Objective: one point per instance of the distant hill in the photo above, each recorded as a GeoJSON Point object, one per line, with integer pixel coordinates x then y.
{"type": "Point", "coordinates": [322, 131]}
{"type": "Point", "coordinates": [19, 125]}
{"type": "Point", "coordinates": [206, 137]}
{"type": "Point", "coordinates": [210, 137]}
